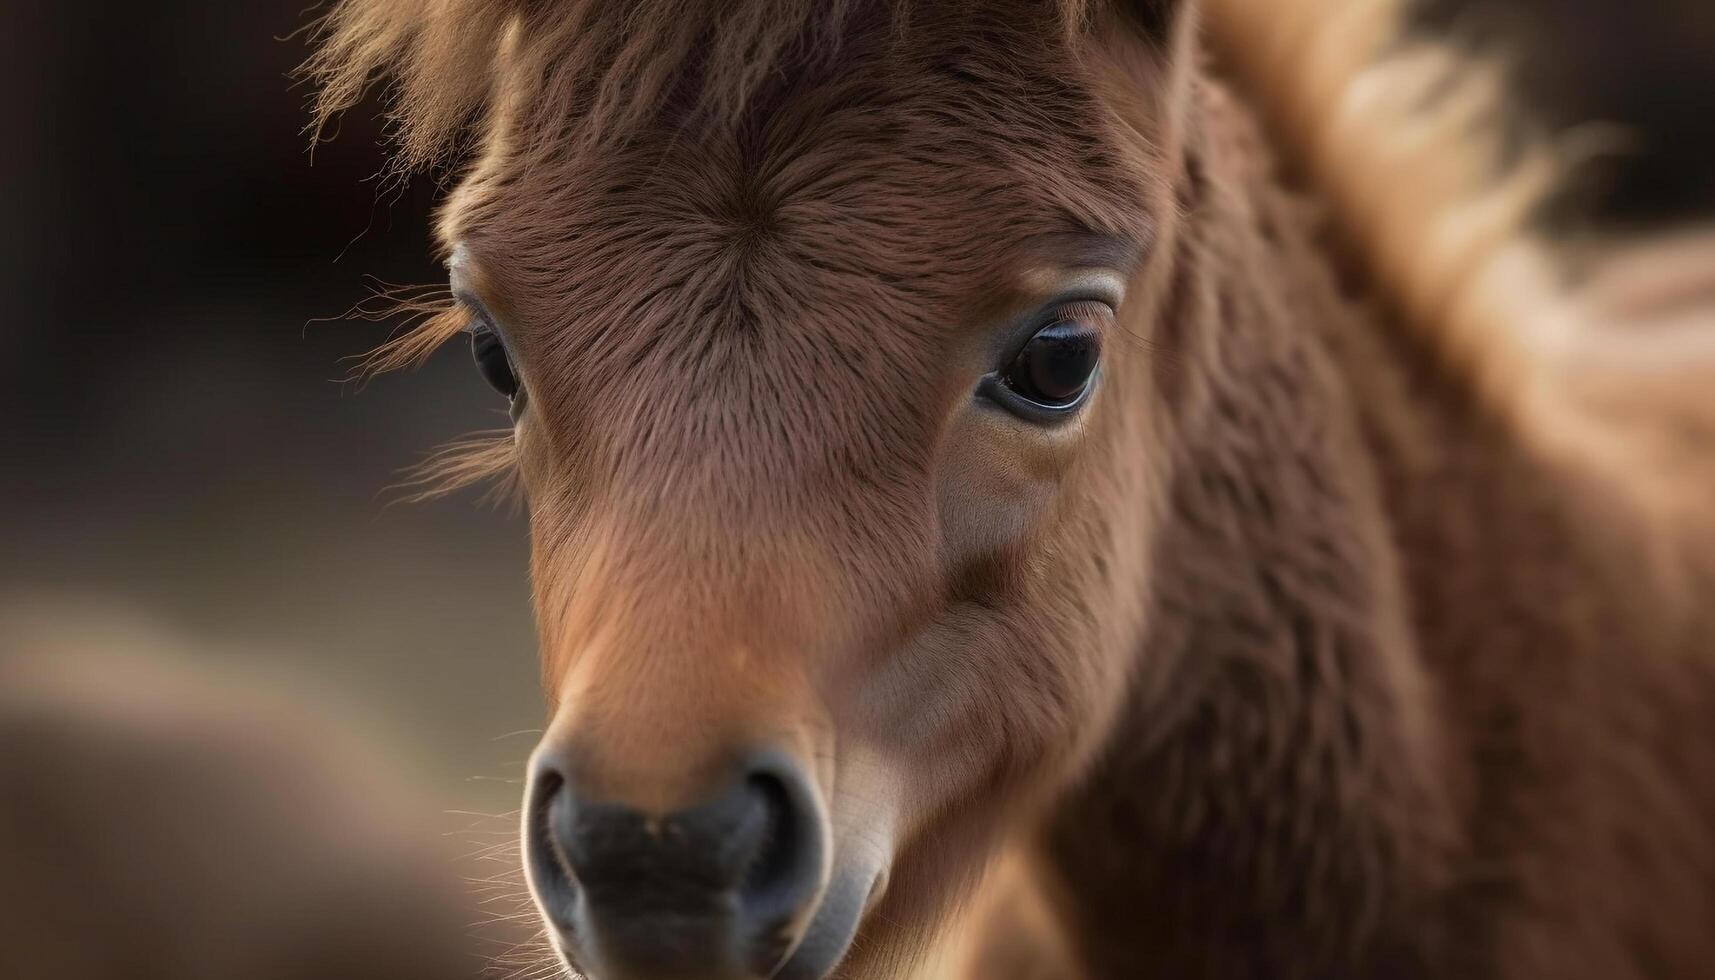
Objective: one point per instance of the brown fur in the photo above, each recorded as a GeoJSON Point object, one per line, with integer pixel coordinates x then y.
{"type": "Point", "coordinates": [1348, 633]}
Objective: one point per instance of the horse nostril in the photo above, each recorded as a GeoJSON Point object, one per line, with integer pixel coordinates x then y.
{"type": "Point", "coordinates": [784, 863]}
{"type": "Point", "coordinates": [547, 819]}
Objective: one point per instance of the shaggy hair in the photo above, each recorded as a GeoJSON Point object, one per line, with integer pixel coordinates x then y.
{"type": "Point", "coordinates": [1404, 141]}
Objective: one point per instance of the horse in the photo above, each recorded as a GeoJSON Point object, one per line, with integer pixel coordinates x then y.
{"type": "Point", "coordinates": [1062, 488]}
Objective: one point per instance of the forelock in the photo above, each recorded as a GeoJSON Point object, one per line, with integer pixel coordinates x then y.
{"type": "Point", "coordinates": [601, 68]}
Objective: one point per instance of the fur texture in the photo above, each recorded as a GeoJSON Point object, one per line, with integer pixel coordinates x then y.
{"type": "Point", "coordinates": [1352, 630]}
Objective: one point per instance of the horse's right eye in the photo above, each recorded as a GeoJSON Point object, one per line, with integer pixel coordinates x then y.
{"type": "Point", "coordinates": [492, 359]}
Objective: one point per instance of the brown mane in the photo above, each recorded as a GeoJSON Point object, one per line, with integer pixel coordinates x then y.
{"type": "Point", "coordinates": [1363, 109]}
{"type": "Point", "coordinates": [602, 68]}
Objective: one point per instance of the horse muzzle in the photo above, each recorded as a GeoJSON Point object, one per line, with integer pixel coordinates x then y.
{"type": "Point", "coordinates": [725, 889]}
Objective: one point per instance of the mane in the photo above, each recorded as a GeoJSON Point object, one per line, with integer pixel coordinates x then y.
{"type": "Point", "coordinates": [597, 68]}
{"type": "Point", "coordinates": [1403, 141]}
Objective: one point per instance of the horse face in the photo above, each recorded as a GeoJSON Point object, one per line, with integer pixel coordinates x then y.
{"type": "Point", "coordinates": [839, 426]}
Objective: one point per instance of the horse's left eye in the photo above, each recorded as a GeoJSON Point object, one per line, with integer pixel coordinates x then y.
{"type": "Point", "coordinates": [1054, 369]}
{"type": "Point", "coordinates": [492, 360]}
{"type": "Point", "coordinates": [1052, 373]}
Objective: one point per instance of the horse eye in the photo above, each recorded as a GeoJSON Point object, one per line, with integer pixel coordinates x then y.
{"type": "Point", "coordinates": [1056, 366]}
{"type": "Point", "coordinates": [492, 359]}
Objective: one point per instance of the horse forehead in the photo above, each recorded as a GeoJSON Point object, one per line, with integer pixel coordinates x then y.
{"type": "Point", "coordinates": [880, 227]}
{"type": "Point", "coordinates": [923, 187]}
{"type": "Point", "coordinates": [733, 250]}
{"type": "Point", "coordinates": [801, 240]}
{"type": "Point", "coordinates": [710, 312]}
{"type": "Point", "coordinates": [868, 196]}
{"type": "Point", "coordinates": [924, 170]}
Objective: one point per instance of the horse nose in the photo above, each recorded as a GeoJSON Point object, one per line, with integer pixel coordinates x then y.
{"type": "Point", "coordinates": [712, 890]}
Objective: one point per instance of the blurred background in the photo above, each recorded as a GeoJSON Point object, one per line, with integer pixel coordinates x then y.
{"type": "Point", "coordinates": [186, 486]}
